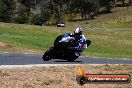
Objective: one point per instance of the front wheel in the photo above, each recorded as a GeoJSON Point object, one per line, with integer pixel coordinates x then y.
{"type": "Point", "coordinates": [47, 56]}
{"type": "Point", "coordinates": [73, 57]}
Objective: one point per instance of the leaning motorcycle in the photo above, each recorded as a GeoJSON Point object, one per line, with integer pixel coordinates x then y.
{"type": "Point", "coordinates": [64, 50]}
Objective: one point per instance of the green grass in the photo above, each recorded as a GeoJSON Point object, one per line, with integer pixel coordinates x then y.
{"type": "Point", "coordinates": [111, 35]}
{"type": "Point", "coordinates": [27, 36]}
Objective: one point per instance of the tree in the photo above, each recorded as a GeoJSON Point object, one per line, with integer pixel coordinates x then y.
{"type": "Point", "coordinates": [130, 1]}
{"type": "Point", "coordinates": [107, 5]}
{"type": "Point", "coordinates": [28, 5]}
{"type": "Point", "coordinates": [59, 9]}
{"type": "Point", "coordinates": [87, 8]}
{"type": "Point", "coordinates": [20, 14]}
{"type": "Point", "coordinates": [45, 10]}
{"type": "Point", "coordinates": [6, 10]}
{"type": "Point", "coordinates": [122, 1]}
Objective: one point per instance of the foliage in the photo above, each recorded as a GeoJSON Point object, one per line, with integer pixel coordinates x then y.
{"type": "Point", "coordinates": [6, 10]}
{"type": "Point", "coordinates": [31, 11]}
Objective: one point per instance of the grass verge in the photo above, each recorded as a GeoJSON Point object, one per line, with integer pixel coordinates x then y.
{"type": "Point", "coordinates": [111, 35]}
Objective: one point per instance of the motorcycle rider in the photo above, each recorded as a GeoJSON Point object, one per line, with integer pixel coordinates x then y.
{"type": "Point", "coordinates": [78, 37]}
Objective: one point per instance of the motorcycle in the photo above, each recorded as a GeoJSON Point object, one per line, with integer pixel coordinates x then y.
{"type": "Point", "coordinates": [64, 50]}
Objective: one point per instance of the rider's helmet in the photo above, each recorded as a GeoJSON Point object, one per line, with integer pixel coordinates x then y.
{"type": "Point", "coordinates": [78, 32]}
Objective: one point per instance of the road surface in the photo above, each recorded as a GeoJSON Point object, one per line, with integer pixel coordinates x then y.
{"type": "Point", "coordinates": [29, 59]}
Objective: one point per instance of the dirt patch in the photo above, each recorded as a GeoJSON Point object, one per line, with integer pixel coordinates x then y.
{"type": "Point", "coordinates": [3, 45]}
{"type": "Point", "coordinates": [58, 76]}
{"type": "Point", "coordinates": [25, 50]}
{"type": "Point", "coordinates": [10, 48]}
{"type": "Point", "coordinates": [127, 42]}
{"type": "Point", "coordinates": [100, 37]}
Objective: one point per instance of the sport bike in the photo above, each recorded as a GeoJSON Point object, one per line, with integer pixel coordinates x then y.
{"type": "Point", "coordinates": [64, 50]}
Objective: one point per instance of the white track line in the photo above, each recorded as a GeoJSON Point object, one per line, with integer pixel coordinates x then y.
{"type": "Point", "coordinates": [17, 53]}
{"type": "Point", "coordinates": [35, 65]}
{"type": "Point", "coordinates": [50, 65]}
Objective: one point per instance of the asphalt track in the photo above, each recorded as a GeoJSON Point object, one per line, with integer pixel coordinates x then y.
{"type": "Point", "coordinates": [29, 59]}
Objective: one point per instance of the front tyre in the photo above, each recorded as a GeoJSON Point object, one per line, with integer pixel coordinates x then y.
{"type": "Point", "coordinates": [47, 56]}
{"type": "Point", "coordinates": [73, 57]}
